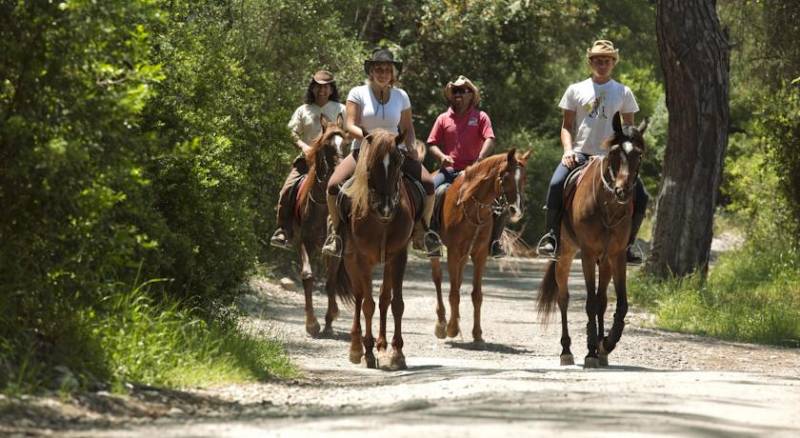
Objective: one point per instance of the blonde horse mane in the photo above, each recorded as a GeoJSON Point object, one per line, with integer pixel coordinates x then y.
{"type": "Point", "coordinates": [380, 142]}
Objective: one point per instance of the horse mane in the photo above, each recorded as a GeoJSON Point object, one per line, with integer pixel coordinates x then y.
{"type": "Point", "coordinates": [489, 168]}
{"type": "Point", "coordinates": [372, 153]}
{"type": "Point", "coordinates": [316, 147]}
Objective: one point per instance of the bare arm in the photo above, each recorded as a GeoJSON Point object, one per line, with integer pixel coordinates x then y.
{"type": "Point", "coordinates": [407, 126]}
{"type": "Point", "coordinates": [300, 143]}
{"type": "Point", "coordinates": [486, 149]}
{"type": "Point", "coordinates": [439, 155]}
{"type": "Point", "coordinates": [353, 120]}
{"type": "Point", "coordinates": [568, 159]}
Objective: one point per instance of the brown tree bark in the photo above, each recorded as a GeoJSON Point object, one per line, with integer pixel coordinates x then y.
{"type": "Point", "coordinates": [695, 59]}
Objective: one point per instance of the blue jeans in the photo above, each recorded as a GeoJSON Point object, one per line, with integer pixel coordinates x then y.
{"type": "Point", "coordinates": [555, 194]}
{"type": "Point", "coordinates": [445, 175]}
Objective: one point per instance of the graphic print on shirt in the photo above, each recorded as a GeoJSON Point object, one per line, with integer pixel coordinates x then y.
{"type": "Point", "coordinates": [598, 109]}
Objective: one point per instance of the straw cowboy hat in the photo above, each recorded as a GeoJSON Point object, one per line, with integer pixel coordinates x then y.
{"type": "Point", "coordinates": [323, 77]}
{"type": "Point", "coordinates": [462, 81]}
{"type": "Point", "coordinates": [380, 56]}
{"type": "Point", "coordinates": [603, 48]}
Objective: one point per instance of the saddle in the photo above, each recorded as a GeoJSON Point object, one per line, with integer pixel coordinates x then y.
{"type": "Point", "coordinates": [573, 179]}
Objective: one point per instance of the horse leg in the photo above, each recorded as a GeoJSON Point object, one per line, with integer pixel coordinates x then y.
{"type": "Point", "coordinates": [602, 304]}
{"type": "Point", "coordinates": [312, 326]}
{"type": "Point", "coordinates": [455, 269]}
{"type": "Point", "coordinates": [383, 306]}
{"type": "Point", "coordinates": [441, 316]}
{"type": "Point", "coordinates": [479, 263]}
{"type": "Point", "coordinates": [330, 315]}
{"type": "Point", "coordinates": [369, 310]}
{"type": "Point", "coordinates": [588, 262]}
{"type": "Point", "coordinates": [356, 349]}
{"type": "Point", "coordinates": [563, 266]}
{"type": "Point", "coordinates": [618, 270]}
{"type": "Point", "coordinates": [398, 360]}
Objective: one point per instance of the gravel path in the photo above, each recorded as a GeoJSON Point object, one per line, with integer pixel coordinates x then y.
{"type": "Point", "coordinates": [659, 383]}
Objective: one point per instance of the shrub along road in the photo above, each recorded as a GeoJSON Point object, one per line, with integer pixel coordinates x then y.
{"type": "Point", "coordinates": [658, 382]}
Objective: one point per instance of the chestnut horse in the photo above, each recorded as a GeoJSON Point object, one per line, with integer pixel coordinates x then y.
{"type": "Point", "coordinates": [312, 212]}
{"type": "Point", "coordinates": [597, 221]}
{"type": "Point", "coordinates": [496, 183]}
{"type": "Point", "coordinates": [379, 231]}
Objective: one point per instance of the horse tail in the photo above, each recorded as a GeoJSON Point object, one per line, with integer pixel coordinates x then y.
{"type": "Point", "coordinates": [548, 292]}
{"type": "Point", "coordinates": [338, 282]}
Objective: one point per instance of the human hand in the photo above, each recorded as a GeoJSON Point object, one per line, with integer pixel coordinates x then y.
{"type": "Point", "coordinates": [568, 159]}
{"type": "Point", "coordinates": [447, 160]}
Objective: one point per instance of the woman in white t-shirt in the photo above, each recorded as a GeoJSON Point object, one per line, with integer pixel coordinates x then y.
{"type": "Point", "coordinates": [378, 104]}
{"type": "Point", "coordinates": [322, 97]}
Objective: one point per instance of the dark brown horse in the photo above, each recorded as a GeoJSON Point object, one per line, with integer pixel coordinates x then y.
{"type": "Point", "coordinates": [379, 231]}
{"type": "Point", "coordinates": [597, 221]}
{"type": "Point", "coordinates": [312, 216]}
{"type": "Point", "coordinates": [495, 183]}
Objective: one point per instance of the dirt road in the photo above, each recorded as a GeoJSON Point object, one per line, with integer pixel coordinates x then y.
{"type": "Point", "coordinates": [659, 383]}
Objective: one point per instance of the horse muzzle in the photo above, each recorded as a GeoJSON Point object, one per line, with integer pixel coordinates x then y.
{"type": "Point", "coordinates": [515, 212]}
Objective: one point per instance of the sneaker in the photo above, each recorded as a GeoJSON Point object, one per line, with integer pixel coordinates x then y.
{"type": "Point", "coordinates": [632, 258]}
{"type": "Point", "coordinates": [433, 244]}
{"type": "Point", "coordinates": [497, 251]}
{"type": "Point", "coordinates": [547, 246]}
{"type": "Point", "coordinates": [279, 239]}
{"type": "Point", "coordinates": [332, 246]}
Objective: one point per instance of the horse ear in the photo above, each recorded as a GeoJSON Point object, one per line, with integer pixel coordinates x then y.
{"type": "Point", "coordinates": [617, 123]}
{"type": "Point", "coordinates": [643, 126]}
{"type": "Point", "coordinates": [525, 156]}
{"type": "Point", "coordinates": [512, 156]}
{"type": "Point", "coordinates": [324, 121]}
{"type": "Point", "coordinates": [340, 121]}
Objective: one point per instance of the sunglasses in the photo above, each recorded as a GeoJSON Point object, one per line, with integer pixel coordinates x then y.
{"type": "Point", "coordinates": [602, 61]}
{"type": "Point", "coordinates": [459, 90]}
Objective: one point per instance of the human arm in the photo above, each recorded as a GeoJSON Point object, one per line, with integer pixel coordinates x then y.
{"type": "Point", "coordinates": [627, 118]}
{"type": "Point", "coordinates": [407, 127]}
{"type": "Point", "coordinates": [486, 148]}
{"type": "Point", "coordinates": [568, 158]}
{"type": "Point", "coordinates": [446, 160]}
{"type": "Point", "coordinates": [353, 120]}
{"type": "Point", "coordinates": [296, 129]}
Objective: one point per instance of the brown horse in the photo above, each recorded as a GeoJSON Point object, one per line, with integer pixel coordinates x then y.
{"type": "Point", "coordinates": [597, 221]}
{"type": "Point", "coordinates": [379, 231]}
{"type": "Point", "coordinates": [312, 212]}
{"type": "Point", "coordinates": [496, 183]}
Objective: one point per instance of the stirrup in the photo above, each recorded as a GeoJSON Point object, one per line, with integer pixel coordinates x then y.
{"type": "Point", "coordinates": [279, 239]}
{"type": "Point", "coordinates": [542, 251]}
{"type": "Point", "coordinates": [332, 246]}
{"type": "Point", "coordinates": [433, 242]}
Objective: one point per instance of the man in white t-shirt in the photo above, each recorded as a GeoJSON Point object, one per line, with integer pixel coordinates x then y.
{"type": "Point", "coordinates": [588, 107]}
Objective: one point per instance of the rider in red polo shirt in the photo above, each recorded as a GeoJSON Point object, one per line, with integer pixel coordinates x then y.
{"type": "Point", "coordinates": [461, 136]}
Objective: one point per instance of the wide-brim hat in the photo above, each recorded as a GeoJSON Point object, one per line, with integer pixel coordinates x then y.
{"type": "Point", "coordinates": [323, 77]}
{"type": "Point", "coordinates": [462, 81]}
{"type": "Point", "coordinates": [381, 56]}
{"type": "Point", "coordinates": [603, 48]}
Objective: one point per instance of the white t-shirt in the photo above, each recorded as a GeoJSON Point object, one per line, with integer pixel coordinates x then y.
{"type": "Point", "coordinates": [376, 115]}
{"type": "Point", "coordinates": [305, 120]}
{"type": "Point", "coordinates": [594, 105]}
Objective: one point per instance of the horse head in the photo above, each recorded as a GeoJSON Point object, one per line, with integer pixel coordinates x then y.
{"type": "Point", "coordinates": [378, 176]}
{"type": "Point", "coordinates": [511, 182]}
{"type": "Point", "coordinates": [625, 150]}
{"type": "Point", "coordinates": [327, 149]}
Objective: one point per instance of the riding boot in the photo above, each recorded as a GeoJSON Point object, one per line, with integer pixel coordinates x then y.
{"type": "Point", "coordinates": [636, 223]}
{"type": "Point", "coordinates": [549, 243]}
{"type": "Point", "coordinates": [433, 242]}
{"type": "Point", "coordinates": [333, 243]}
{"type": "Point", "coordinates": [496, 249]}
{"type": "Point", "coordinates": [282, 236]}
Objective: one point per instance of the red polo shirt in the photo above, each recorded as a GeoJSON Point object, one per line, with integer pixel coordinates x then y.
{"type": "Point", "coordinates": [461, 137]}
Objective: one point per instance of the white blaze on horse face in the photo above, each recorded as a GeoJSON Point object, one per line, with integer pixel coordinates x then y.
{"type": "Point", "coordinates": [386, 159]}
{"type": "Point", "coordinates": [338, 140]}
{"type": "Point", "coordinates": [628, 146]}
{"type": "Point", "coordinates": [518, 203]}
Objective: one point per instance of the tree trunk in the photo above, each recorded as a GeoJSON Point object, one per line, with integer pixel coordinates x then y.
{"type": "Point", "coordinates": [695, 59]}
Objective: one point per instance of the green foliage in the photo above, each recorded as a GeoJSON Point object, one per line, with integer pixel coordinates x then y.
{"type": "Point", "coordinates": [752, 294]}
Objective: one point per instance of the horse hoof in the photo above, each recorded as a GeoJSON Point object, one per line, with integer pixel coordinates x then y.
{"type": "Point", "coordinates": [591, 362]}
{"type": "Point", "coordinates": [478, 341]}
{"type": "Point", "coordinates": [441, 330]}
{"type": "Point", "coordinates": [453, 331]}
{"type": "Point", "coordinates": [369, 361]}
{"type": "Point", "coordinates": [567, 359]}
{"type": "Point", "coordinates": [398, 362]}
{"type": "Point", "coordinates": [603, 359]}
{"type": "Point", "coordinates": [313, 329]}
{"type": "Point", "coordinates": [355, 357]}
{"type": "Point", "coordinates": [327, 332]}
